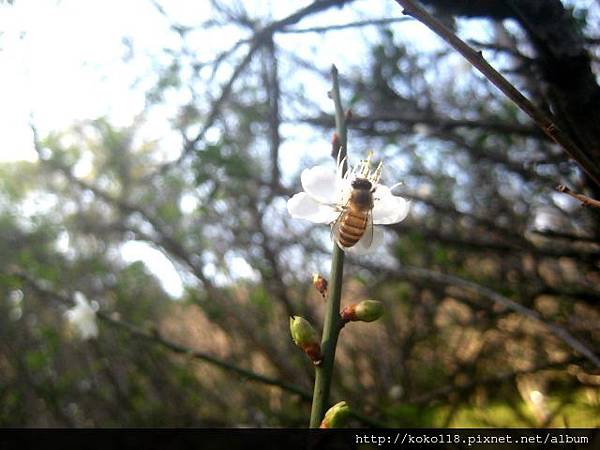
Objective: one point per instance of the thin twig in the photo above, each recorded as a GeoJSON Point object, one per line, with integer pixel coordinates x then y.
{"type": "Point", "coordinates": [331, 327]}
{"type": "Point", "coordinates": [584, 199]}
{"type": "Point", "coordinates": [542, 119]}
{"type": "Point", "coordinates": [435, 122]}
{"type": "Point", "coordinates": [258, 40]}
{"type": "Point", "coordinates": [360, 23]}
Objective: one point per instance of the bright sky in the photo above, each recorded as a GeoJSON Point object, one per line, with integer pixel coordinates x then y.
{"type": "Point", "coordinates": [62, 62]}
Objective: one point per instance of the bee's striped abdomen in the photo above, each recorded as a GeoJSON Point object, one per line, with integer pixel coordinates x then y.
{"type": "Point", "coordinates": [352, 227]}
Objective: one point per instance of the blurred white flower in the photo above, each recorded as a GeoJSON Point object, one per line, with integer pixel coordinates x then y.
{"type": "Point", "coordinates": [327, 193]}
{"type": "Point", "coordinates": [396, 392]}
{"type": "Point", "coordinates": [422, 129]}
{"type": "Point", "coordinates": [82, 317]}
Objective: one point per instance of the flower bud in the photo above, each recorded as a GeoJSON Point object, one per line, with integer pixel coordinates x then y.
{"type": "Point", "coordinates": [306, 337]}
{"type": "Point", "coordinates": [365, 311]}
{"type": "Point", "coordinates": [320, 284]}
{"type": "Point", "coordinates": [336, 145]}
{"type": "Point", "coordinates": [336, 416]}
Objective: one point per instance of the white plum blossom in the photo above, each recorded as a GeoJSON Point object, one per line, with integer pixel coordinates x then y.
{"type": "Point", "coordinates": [82, 317]}
{"type": "Point", "coordinates": [326, 194]}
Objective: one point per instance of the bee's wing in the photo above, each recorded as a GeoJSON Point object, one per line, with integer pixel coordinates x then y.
{"type": "Point", "coordinates": [335, 228]}
{"type": "Point", "coordinates": [368, 236]}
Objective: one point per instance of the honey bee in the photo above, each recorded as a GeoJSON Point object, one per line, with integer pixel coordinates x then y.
{"type": "Point", "coordinates": [356, 217]}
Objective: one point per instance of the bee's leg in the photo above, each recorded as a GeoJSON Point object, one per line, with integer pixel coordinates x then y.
{"type": "Point", "coordinates": [334, 206]}
{"type": "Point", "coordinates": [373, 189]}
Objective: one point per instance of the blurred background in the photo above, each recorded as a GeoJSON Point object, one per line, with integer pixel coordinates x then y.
{"type": "Point", "coordinates": [148, 149]}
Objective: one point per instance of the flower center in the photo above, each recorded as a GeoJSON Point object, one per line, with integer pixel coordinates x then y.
{"type": "Point", "coordinates": [363, 170]}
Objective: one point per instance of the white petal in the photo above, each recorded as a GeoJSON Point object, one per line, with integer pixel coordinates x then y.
{"type": "Point", "coordinates": [89, 330]}
{"type": "Point", "coordinates": [343, 191]}
{"type": "Point", "coordinates": [303, 206]}
{"type": "Point", "coordinates": [320, 183]}
{"type": "Point", "coordinates": [388, 208]}
{"type": "Point", "coordinates": [364, 247]}
{"type": "Point", "coordinates": [80, 298]}
{"type": "Point", "coordinates": [82, 317]}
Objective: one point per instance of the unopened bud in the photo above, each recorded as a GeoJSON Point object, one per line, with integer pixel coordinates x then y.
{"type": "Point", "coordinates": [336, 145]}
{"type": "Point", "coordinates": [306, 337]}
{"type": "Point", "coordinates": [320, 284]}
{"type": "Point", "coordinates": [365, 311]}
{"type": "Point", "coordinates": [336, 416]}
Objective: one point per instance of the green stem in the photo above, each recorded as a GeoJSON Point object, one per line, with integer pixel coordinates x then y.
{"type": "Point", "coordinates": [331, 325]}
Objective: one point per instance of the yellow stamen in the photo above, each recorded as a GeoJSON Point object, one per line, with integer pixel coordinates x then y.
{"type": "Point", "coordinates": [363, 170]}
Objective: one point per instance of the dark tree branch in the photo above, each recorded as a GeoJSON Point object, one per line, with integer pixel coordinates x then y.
{"type": "Point", "coordinates": [491, 381]}
{"type": "Point", "coordinates": [493, 9]}
{"type": "Point", "coordinates": [544, 120]}
{"type": "Point", "coordinates": [504, 248]}
{"type": "Point", "coordinates": [155, 337]}
{"type": "Point", "coordinates": [272, 88]}
{"type": "Point", "coordinates": [436, 122]}
{"type": "Point", "coordinates": [562, 235]}
{"type": "Point", "coordinates": [565, 68]}
{"type": "Point", "coordinates": [360, 23]}
{"type": "Point", "coordinates": [501, 49]}
{"type": "Point", "coordinates": [439, 278]}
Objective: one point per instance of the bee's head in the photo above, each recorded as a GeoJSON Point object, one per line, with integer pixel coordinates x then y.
{"type": "Point", "coordinates": [361, 183]}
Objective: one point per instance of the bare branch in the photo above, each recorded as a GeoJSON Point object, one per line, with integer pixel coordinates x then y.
{"type": "Point", "coordinates": [546, 122]}
{"type": "Point", "coordinates": [436, 122]}
{"type": "Point", "coordinates": [360, 23]}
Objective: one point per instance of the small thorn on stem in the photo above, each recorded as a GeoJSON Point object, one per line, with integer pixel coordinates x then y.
{"type": "Point", "coordinates": [336, 145]}
{"type": "Point", "coordinates": [320, 284]}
